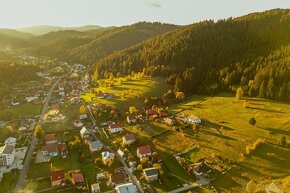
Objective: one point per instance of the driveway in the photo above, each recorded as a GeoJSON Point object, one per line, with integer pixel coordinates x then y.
{"type": "Point", "coordinates": [40, 158]}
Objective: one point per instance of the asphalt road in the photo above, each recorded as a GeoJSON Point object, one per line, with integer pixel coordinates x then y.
{"type": "Point", "coordinates": [33, 142]}
{"type": "Point", "coordinates": [133, 177]}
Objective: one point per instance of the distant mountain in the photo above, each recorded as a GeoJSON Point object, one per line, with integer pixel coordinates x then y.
{"type": "Point", "coordinates": [88, 50]}
{"type": "Point", "coordinates": [251, 52]}
{"type": "Point", "coordinates": [11, 39]}
{"type": "Point", "coordinates": [44, 29]}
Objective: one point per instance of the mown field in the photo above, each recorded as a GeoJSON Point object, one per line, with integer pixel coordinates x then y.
{"type": "Point", "coordinates": [226, 132]}
{"type": "Point", "coordinates": [130, 92]}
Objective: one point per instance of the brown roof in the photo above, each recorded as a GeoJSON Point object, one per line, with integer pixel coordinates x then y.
{"type": "Point", "coordinates": [150, 112]}
{"type": "Point", "coordinates": [113, 126]}
{"type": "Point", "coordinates": [78, 177]}
{"type": "Point", "coordinates": [57, 175]}
{"type": "Point", "coordinates": [144, 149]}
{"type": "Point", "coordinates": [50, 148]}
{"type": "Point", "coordinates": [118, 178]}
{"type": "Point", "coordinates": [50, 137]}
{"type": "Point", "coordinates": [62, 147]}
{"type": "Point", "coordinates": [129, 137]}
{"type": "Point", "coordinates": [8, 149]}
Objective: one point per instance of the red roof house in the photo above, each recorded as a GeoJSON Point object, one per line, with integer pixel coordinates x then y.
{"type": "Point", "coordinates": [57, 178]}
{"type": "Point", "coordinates": [144, 151]}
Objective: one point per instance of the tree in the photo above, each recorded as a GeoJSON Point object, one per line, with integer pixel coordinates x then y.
{"type": "Point", "coordinates": [177, 84]}
{"type": "Point", "coordinates": [180, 95]}
{"type": "Point", "coordinates": [145, 161]}
{"type": "Point", "coordinates": [38, 131]}
{"type": "Point", "coordinates": [76, 143]}
{"type": "Point", "coordinates": [246, 104]}
{"type": "Point", "coordinates": [239, 93]}
{"type": "Point", "coordinates": [262, 90]}
{"type": "Point", "coordinates": [283, 141]}
{"type": "Point", "coordinates": [195, 127]}
{"type": "Point", "coordinates": [251, 187]}
{"type": "Point", "coordinates": [133, 110]}
{"type": "Point", "coordinates": [83, 110]}
{"type": "Point", "coordinates": [252, 121]}
{"type": "Point", "coordinates": [139, 168]}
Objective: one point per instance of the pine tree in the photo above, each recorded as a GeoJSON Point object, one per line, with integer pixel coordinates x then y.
{"type": "Point", "coordinates": [262, 90]}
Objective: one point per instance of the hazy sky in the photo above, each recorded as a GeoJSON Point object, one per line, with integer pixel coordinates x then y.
{"type": "Point", "coordinates": [23, 13]}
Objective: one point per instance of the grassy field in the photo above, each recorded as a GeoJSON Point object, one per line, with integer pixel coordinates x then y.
{"type": "Point", "coordinates": [131, 92]}
{"type": "Point", "coordinates": [27, 109]}
{"type": "Point", "coordinates": [9, 181]}
{"type": "Point", "coordinates": [226, 132]}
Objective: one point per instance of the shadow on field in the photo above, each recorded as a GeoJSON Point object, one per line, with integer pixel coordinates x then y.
{"type": "Point", "coordinates": [277, 131]}
{"type": "Point", "coordinates": [266, 110]}
{"type": "Point", "coordinates": [277, 155]}
{"type": "Point", "coordinates": [219, 135]}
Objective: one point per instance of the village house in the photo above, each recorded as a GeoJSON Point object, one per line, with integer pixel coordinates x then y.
{"type": "Point", "coordinates": [131, 119]}
{"type": "Point", "coordinates": [84, 132]}
{"type": "Point", "coordinates": [95, 188]}
{"type": "Point", "coordinates": [83, 116]}
{"type": "Point", "coordinates": [121, 154]}
{"type": "Point", "coordinates": [144, 151]}
{"type": "Point", "coordinates": [7, 155]}
{"type": "Point", "coordinates": [126, 188]}
{"type": "Point", "coordinates": [101, 106]}
{"type": "Point", "coordinates": [78, 179]}
{"type": "Point", "coordinates": [25, 123]}
{"type": "Point", "coordinates": [273, 188]}
{"type": "Point", "coordinates": [115, 128]}
{"type": "Point", "coordinates": [108, 157]}
{"type": "Point", "coordinates": [10, 141]}
{"type": "Point", "coordinates": [151, 174]}
{"type": "Point", "coordinates": [55, 149]}
{"type": "Point", "coordinates": [193, 119]}
{"type": "Point", "coordinates": [117, 178]}
{"type": "Point", "coordinates": [200, 169]}
{"type": "Point", "coordinates": [129, 139]}
{"type": "Point", "coordinates": [78, 123]}
{"type": "Point", "coordinates": [57, 178]}
{"type": "Point", "coordinates": [169, 121]}
{"type": "Point", "coordinates": [50, 138]}
{"type": "Point", "coordinates": [95, 145]}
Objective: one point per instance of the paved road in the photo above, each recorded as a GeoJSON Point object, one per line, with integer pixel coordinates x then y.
{"type": "Point", "coordinates": [133, 178]}
{"type": "Point", "coordinates": [33, 142]}
{"type": "Point", "coordinates": [182, 189]}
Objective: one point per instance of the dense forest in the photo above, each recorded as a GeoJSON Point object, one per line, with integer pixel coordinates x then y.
{"type": "Point", "coordinates": [13, 71]}
{"type": "Point", "coordinates": [88, 50]}
{"type": "Point", "coordinates": [208, 57]}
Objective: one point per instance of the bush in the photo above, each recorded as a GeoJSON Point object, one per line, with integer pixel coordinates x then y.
{"type": "Point", "coordinates": [256, 144]}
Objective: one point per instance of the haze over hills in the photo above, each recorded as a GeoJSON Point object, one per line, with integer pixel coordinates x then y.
{"type": "Point", "coordinates": [44, 29]}
{"type": "Point", "coordinates": [89, 50]}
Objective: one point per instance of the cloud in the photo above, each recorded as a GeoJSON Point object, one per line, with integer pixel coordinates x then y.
{"type": "Point", "coordinates": [153, 4]}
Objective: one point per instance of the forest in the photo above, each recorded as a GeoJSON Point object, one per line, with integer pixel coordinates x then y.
{"type": "Point", "coordinates": [210, 57]}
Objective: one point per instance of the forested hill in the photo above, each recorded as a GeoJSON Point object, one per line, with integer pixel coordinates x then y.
{"type": "Point", "coordinates": [11, 39]}
{"type": "Point", "coordinates": [252, 51]}
{"type": "Point", "coordinates": [89, 50]}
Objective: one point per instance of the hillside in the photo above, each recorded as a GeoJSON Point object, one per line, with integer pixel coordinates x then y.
{"type": "Point", "coordinates": [208, 57]}
{"type": "Point", "coordinates": [44, 29]}
{"type": "Point", "coordinates": [88, 51]}
{"type": "Point", "coordinates": [10, 39]}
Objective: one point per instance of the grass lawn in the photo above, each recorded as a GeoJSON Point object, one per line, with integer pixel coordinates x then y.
{"type": "Point", "coordinates": [39, 170]}
{"type": "Point", "coordinates": [9, 182]}
{"type": "Point", "coordinates": [27, 109]}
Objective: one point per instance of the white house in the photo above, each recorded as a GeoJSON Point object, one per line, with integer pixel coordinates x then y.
{"type": "Point", "coordinates": [84, 132]}
{"type": "Point", "coordinates": [83, 116]}
{"type": "Point", "coordinates": [115, 128]}
{"type": "Point", "coordinates": [151, 174]}
{"type": "Point", "coordinates": [78, 123]}
{"type": "Point", "coordinates": [107, 157]}
{"type": "Point", "coordinates": [121, 153]}
{"type": "Point", "coordinates": [95, 188]}
{"type": "Point", "coordinates": [10, 141]}
{"type": "Point", "coordinates": [128, 139]}
{"type": "Point", "coordinates": [7, 155]}
{"type": "Point", "coordinates": [194, 119]}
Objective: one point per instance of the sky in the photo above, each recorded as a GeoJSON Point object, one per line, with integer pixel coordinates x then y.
{"type": "Point", "coordinates": [24, 13]}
